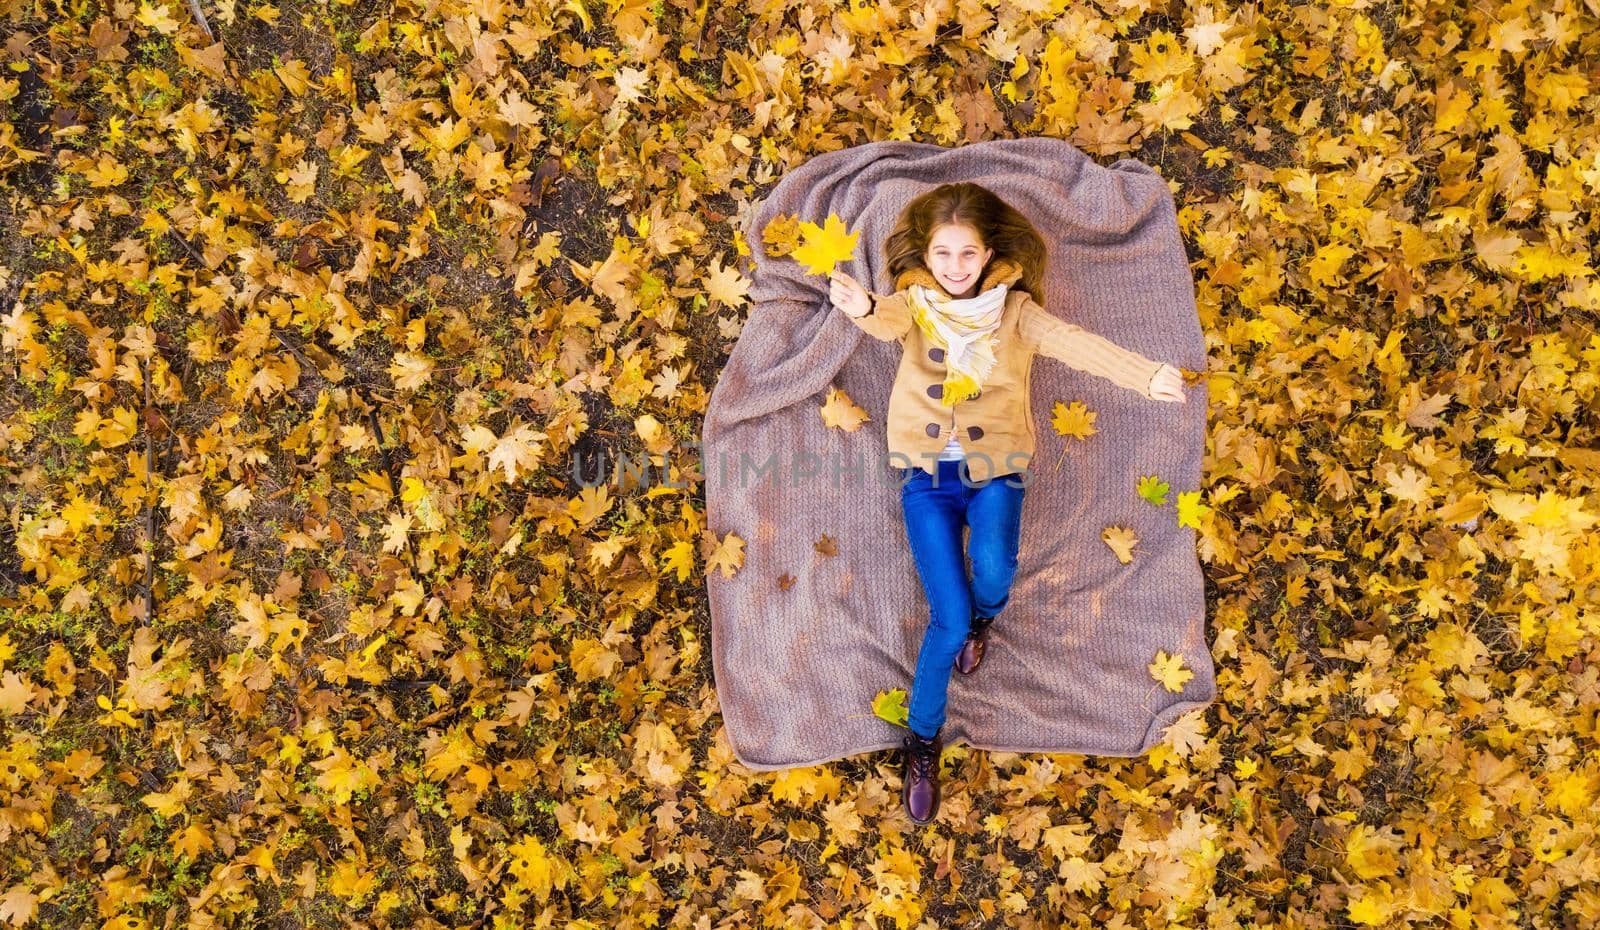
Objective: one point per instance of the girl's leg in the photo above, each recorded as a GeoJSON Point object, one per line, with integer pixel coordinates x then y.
{"type": "Point", "coordinates": [934, 520]}
{"type": "Point", "coordinates": [995, 515]}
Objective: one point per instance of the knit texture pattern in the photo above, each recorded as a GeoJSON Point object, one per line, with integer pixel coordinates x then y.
{"type": "Point", "coordinates": [796, 666]}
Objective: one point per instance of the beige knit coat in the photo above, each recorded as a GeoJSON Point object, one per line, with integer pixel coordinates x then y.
{"type": "Point", "coordinates": [995, 426]}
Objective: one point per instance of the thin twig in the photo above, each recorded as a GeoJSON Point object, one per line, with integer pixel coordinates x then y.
{"type": "Point", "coordinates": [200, 17]}
{"type": "Point", "coordinates": [187, 247]}
{"type": "Point", "coordinates": [297, 353]}
{"type": "Point", "coordinates": [149, 508]}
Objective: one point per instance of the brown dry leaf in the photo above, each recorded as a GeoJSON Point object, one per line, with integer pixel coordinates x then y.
{"type": "Point", "coordinates": [840, 412]}
{"type": "Point", "coordinates": [1121, 539]}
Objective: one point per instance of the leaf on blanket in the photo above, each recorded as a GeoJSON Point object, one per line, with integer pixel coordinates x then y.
{"type": "Point", "coordinates": [1075, 421]}
{"type": "Point", "coordinates": [891, 706]}
{"type": "Point", "coordinates": [827, 545]}
{"type": "Point", "coordinates": [1169, 671]}
{"type": "Point", "coordinates": [729, 555]}
{"type": "Point", "coordinates": [840, 412]}
{"type": "Point", "coordinates": [786, 581]}
{"type": "Point", "coordinates": [1121, 539]}
{"type": "Point", "coordinates": [1153, 489]}
{"type": "Point", "coordinates": [825, 245]}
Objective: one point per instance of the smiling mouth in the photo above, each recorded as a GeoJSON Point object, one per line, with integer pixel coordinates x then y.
{"type": "Point", "coordinates": [960, 279]}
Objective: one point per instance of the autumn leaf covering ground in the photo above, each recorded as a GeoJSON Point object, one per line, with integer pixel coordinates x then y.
{"type": "Point", "coordinates": [342, 288]}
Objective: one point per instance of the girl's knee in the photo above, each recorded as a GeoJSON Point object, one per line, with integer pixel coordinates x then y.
{"type": "Point", "coordinates": [993, 565]}
{"type": "Point", "coordinates": [953, 618]}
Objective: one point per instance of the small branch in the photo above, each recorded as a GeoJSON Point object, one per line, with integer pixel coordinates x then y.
{"type": "Point", "coordinates": [187, 247]}
{"type": "Point", "coordinates": [149, 509]}
{"type": "Point", "coordinates": [200, 17]}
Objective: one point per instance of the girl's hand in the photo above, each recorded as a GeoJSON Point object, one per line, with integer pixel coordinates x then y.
{"type": "Point", "coordinates": [847, 295]}
{"type": "Point", "coordinates": [1167, 384]}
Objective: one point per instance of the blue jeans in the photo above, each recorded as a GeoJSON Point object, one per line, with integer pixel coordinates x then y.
{"type": "Point", "coordinates": [936, 508]}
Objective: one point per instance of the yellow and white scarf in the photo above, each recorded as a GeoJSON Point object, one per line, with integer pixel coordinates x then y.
{"type": "Point", "coordinates": [964, 329]}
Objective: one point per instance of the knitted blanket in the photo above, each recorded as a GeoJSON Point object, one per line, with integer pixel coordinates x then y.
{"type": "Point", "coordinates": [827, 609]}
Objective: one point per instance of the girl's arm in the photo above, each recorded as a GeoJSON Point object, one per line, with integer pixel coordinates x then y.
{"type": "Point", "coordinates": [1078, 348]}
{"type": "Point", "coordinates": [888, 318]}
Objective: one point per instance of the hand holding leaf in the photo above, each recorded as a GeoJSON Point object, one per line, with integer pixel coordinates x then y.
{"type": "Point", "coordinates": [849, 296]}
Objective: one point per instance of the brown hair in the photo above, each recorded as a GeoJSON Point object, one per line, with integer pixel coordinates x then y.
{"type": "Point", "coordinates": [999, 226]}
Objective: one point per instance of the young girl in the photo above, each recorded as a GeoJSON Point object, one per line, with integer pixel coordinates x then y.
{"type": "Point", "coordinates": [968, 272]}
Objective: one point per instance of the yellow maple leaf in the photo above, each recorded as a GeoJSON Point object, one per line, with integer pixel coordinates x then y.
{"type": "Point", "coordinates": [410, 370]}
{"type": "Point", "coordinates": [1080, 875]}
{"type": "Point", "coordinates": [1185, 734]}
{"type": "Point", "coordinates": [532, 867]}
{"type": "Point", "coordinates": [193, 841]}
{"type": "Point", "coordinates": [16, 691]}
{"type": "Point", "coordinates": [729, 555]}
{"type": "Point", "coordinates": [781, 235]}
{"type": "Point", "coordinates": [1172, 106]}
{"type": "Point", "coordinates": [118, 428]}
{"type": "Point", "coordinates": [1496, 248]}
{"type": "Point", "coordinates": [351, 881]}
{"type": "Point", "coordinates": [1370, 853]}
{"type": "Point", "coordinates": [1074, 421]}
{"type": "Point", "coordinates": [168, 803]}
{"type": "Point", "coordinates": [1121, 539]}
{"type": "Point", "coordinates": [107, 172]}
{"type": "Point", "coordinates": [396, 531]}
{"type": "Point", "coordinates": [18, 906]}
{"type": "Point", "coordinates": [517, 452]}
{"type": "Point", "coordinates": [591, 504]}
{"type": "Point", "coordinates": [1374, 906]}
{"type": "Point", "coordinates": [1169, 670]}
{"type": "Point", "coordinates": [157, 17]}
{"type": "Point", "coordinates": [577, 7]}
{"type": "Point", "coordinates": [891, 706]}
{"type": "Point", "coordinates": [657, 438]}
{"type": "Point", "coordinates": [295, 75]}
{"type": "Point", "coordinates": [343, 775]}
{"type": "Point", "coordinates": [346, 158]}
{"type": "Point", "coordinates": [299, 182]}
{"type": "Point", "coordinates": [840, 412]}
{"type": "Point", "coordinates": [825, 245]}
{"type": "Point", "coordinates": [1406, 484]}
{"type": "Point", "coordinates": [260, 856]}
{"type": "Point", "coordinates": [725, 285]}
{"type": "Point", "coordinates": [412, 489]}
{"type": "Point", "coordinates": [1324, 267]}
{"type": "Point", "coordinates": [1190, 509]}
{"type": "Point", "coordinates": [679, 557]}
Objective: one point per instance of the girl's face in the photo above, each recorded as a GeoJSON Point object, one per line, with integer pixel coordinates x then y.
{"type": "Point", "coordinates": [957, 258]}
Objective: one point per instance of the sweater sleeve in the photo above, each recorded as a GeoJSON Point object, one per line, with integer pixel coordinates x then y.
{"type": "Point", "coordinates": [1078, 348]}
{"type": "Point", "coordinates": [889, 318]}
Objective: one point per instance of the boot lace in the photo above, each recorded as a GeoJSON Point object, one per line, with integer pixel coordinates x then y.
{"type": "Point", "coordinates": [923, 756]}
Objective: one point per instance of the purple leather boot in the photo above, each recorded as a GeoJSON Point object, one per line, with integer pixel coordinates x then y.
{"type": "Point", "coordinates": [920, 790]}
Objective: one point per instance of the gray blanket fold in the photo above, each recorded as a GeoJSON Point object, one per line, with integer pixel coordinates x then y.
{"type": "Point", "coordinates": [1066, 671]}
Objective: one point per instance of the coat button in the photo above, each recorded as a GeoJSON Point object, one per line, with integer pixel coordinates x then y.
{"type": "Point", "coordinates": [936, 391]}
{"type": "Point", "coordinates": [936, 353]}
{"type": "Point", "coordinates": [933, 429]}
{"type": "Point", "coordinates": [975, 432]}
